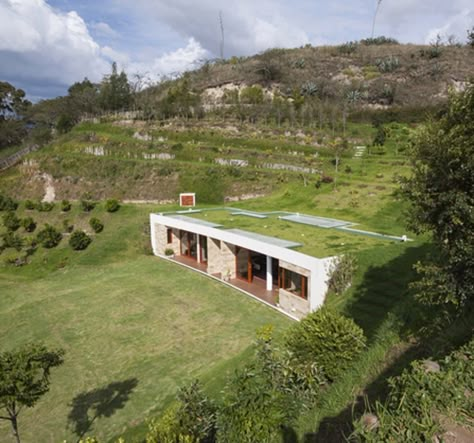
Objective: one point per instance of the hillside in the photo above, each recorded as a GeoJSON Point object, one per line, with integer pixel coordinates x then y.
{"type": "Point", "coordinates": [375, 75]}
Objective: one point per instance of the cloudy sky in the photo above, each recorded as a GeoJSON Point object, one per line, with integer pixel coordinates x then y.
{"type": "Point", "coordinates": [46, 45]}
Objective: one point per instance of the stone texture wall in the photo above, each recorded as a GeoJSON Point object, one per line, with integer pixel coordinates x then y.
{"type": "Point", "coordinates": [296, 306]}
{"type": "Point", "coordinates": [291, 267]}
{"type": "Point", "coordinates": [161, 238]}
{"type": "Point", "coordinates": [228, 260]}
{"type": "Point", "coordinates": [213, 256]}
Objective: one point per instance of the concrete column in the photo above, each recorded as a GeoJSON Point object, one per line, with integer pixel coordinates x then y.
{"type": "Point", "coordinates": [269, 274]}
{"type": "Point", "coordinates": [198, 246]}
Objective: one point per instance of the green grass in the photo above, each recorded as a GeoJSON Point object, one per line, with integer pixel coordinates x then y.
{"type": "Point", "coordinates": [134, 328]}
{"type": "Point", "coordinates": [319, 242]}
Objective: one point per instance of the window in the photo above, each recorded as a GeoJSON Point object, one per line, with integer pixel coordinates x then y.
{"type": "Point", "coordinates": [293, 282]}
{"type": "Point", "coordinates": [169, 235]}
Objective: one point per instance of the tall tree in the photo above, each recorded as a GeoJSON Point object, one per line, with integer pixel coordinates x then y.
{"type": "Point", "coordinates": [13, 106]}
{"type": "Point", "coordinates": [441, 193]}
{"type": "Point", "coordinates": [115, 91]}
{"type": "Point", "coordinates": [24, 379]}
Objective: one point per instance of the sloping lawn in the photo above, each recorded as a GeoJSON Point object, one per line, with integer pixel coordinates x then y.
{"type": "Point", "coordinates": [134, 328]}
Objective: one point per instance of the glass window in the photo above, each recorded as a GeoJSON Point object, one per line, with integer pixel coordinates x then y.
{"type": "Point", "coordinates": [169, 235]}
{"type": "Point", "coordinates": [293, 282]}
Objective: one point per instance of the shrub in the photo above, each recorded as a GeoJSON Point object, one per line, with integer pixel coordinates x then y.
{"type": "Point", "coordinates": [381, 40]}
{"type": "Point", "coordinates": [341, 274]}
{"type": "Point", "coordinates": [347, 48]}
{"type": "Point", "coordinates": [79, 240]}
{"type": "Point", "coordinates": [28, 224]}
{"type": "Point", "coordinates": [7, 203]}
{"type": "Point", "coordinates": [112, 205]}
{"type": "Point", "coordinates": [189, 420]}
{"type": "Point", "coordinates": [67, 226]}
{"type": "Point", "coordinates": [327, 179]}
{"type": "Point", "coordinates": [328, 339]}
{"type": "Point", "coordinates": [11, 221]}
{"type": "Point", "coordinates": [169, 252]}
{"type": "Point", "coordinates": [388, 64]}
{"type": "Point", "coordinates": [419, 399]}
{"type": "Point", "coordinates": [65, 205]}
{"type": "Point", "coordinates": [29, 204]}
{"type": "Point", "coordinates": [45, 206]}
{"type": "Point", "coordinates": [86, 203]}
{"type": "Point", "coordinates": [96, 225]}
{"type": "Point", "coordinates": [12, 240]}
{"type": "Point", "coordinates": [49, 237]}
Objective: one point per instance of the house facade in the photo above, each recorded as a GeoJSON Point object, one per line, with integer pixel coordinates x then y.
{"type": "Point", "coordinates": [262, 266]}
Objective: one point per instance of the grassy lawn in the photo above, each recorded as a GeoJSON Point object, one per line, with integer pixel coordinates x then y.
{"type": "Point", "coordinates": [134, 328]}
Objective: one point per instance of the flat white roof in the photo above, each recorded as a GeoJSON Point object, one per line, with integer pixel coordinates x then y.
{"type": "Point", "coordinates": [196, 221]}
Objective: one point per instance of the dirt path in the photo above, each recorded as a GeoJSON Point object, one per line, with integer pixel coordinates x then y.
{"type": "Point", "coordinates": [49, 191]}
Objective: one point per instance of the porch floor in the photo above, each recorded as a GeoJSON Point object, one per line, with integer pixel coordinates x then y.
{"type": "Point", "coordinates": [190, 262]}
{"type": "Point", "coordinates": [258, 288]}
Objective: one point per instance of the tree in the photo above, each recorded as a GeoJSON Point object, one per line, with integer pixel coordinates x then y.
{"type": "Point", "coordinates": [24, 379]}
{"type": "Point", "coordinates": [470, 37]}
{"type": "Point", "coordinates": [13, 105]}
{"type": "Point", "coordinates": [115, 93]}
{"type": "Point", "coordinates": [441, 194]}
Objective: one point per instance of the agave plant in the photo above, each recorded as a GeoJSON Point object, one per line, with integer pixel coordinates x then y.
{"type": "Point", "coordinates": [309, 89]}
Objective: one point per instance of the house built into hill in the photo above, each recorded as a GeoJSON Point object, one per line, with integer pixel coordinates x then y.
{"type": "Point", "coordinates": [267, 268]}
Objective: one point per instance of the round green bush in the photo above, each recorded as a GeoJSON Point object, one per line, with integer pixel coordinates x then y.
{"type": "Point", "coordinates": [112, 205]}
{"type": "Point", "coordinates": [328, 339]}
{"type": "Point", "coordinates": [96, 224]}
{"type": "Point", "coordinates": [29, 204]}
{"type": "Point", "coordinates": [7, 203]}
{"type": "Point", "coordinates": [28, 224]}
{"type": "Point", "coordinates": [79, 240]}
{"type": "Point", "coordinates": [87, 203]}
{"type": "Point", "coordinates": [49, 237]}
{"type": "Point", "coordinates": [65, 205]}
{"type": "Point", "coordinates": [45, 206]}
{"type": "Point", "coordinates": [11, 221]}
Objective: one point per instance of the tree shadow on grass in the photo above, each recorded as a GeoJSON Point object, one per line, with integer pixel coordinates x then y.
{"type": "Point", "coordinates": [100, 402]}
{"type": "Point", "coordinates": [384, 290]}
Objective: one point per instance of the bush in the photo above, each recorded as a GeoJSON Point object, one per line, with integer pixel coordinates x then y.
{"type": "Point", "coordinates": [7, 203]}
{"type": "Point", "coordinates": [86, 203]}
{"type": "Point", "coordinates": [419, 399]}
{"type": "Point", "coordinates": [112, 205]}
{"type": "Point", "coordinates": [49, 237]}
{"type": "Point", "coordinates": [327, 179]}
{"type": "Point", "coordinates": [189, 420]}
{"type": "Point", "coordinates": [96, 225]}
{"type": "Point", "coordinates": [28, 224]}
{"type": "Point", "coordinates": [65, 206]}
{"type": "Point", "coordinates": [11, 221]}
{"type": "Point", "coordinates": [29, 204]}
{"type": "Point", "coordinates": [328, 339]}
{"type": "Point", "coordinates": [11, 240]}
{"type": "Point", "coordinates": [169, 252]}
{"type": "Point", "coordinates": [79, 240]}
{"type": "Point", "coordinates": [45, 206]}
{"type": "Point", "coordinates": [68, 226]}
{"type": "Point", "coordinates": [381, 40]}
{"type": "Point", "coordinates": [341, 274]}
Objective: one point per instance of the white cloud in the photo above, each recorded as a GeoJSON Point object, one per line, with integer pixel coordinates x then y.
{"type": "Point", "coordinates": [53, 45]}
{"type": "Point", "coordinates": [103, 29]}
{"type": "Point", "coordinates": [172, 63]}
{"type": "Point", "coordinates": [456, 25]}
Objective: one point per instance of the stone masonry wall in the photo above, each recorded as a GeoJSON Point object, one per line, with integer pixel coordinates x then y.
{"type": "Point", "coordinates": [162, 239]}
{"type": "Point", "coordinates": [228, 260]}
{"type": "Point", "coordinates": [213, 256]}
{"type": "Point", "coordinates": [294, 305]}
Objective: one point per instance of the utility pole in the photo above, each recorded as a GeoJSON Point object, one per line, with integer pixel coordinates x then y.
{"type": "Point", "coordinates": [375, 16]}
{"type": "Point", "coordinates": [221, 23]}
